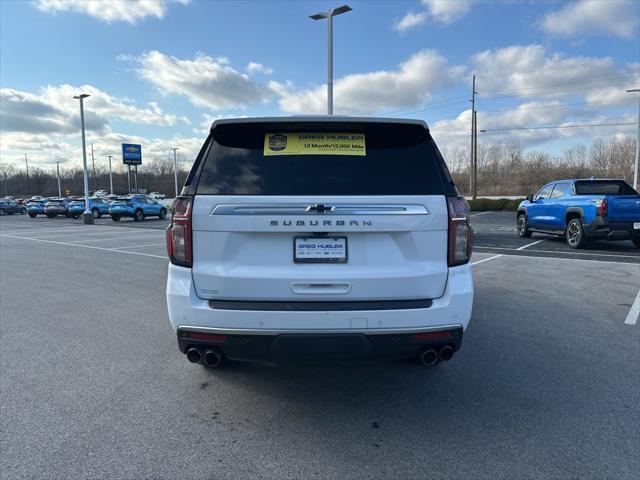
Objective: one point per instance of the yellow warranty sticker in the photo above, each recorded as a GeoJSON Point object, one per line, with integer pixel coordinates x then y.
{"type": "Point", "coordinates": [314, 144]}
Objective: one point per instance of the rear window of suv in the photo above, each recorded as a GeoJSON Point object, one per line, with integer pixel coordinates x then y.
{"type": "Point", "coordinates": [397, 159]}
{"type": "Point", "coordinates": [604, 187]}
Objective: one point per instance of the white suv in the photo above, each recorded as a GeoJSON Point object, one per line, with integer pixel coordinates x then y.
{"type": "Point", "coordinates": [319, 237]}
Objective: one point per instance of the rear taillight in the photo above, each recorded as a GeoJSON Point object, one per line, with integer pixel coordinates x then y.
{"type": "Point", "coordinates": [179, 233]}
{"type": "Point", "coordinates": [601, 207]}
{"type": "Point", "coordinates": [460, 232]}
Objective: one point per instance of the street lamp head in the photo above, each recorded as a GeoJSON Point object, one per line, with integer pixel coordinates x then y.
{"type": "Point", "coordinates": [633, 90]}
{"type": "Point", "coordinates": [341, 10]}
{"type": "Point", "coordinates": [83, 95]}
{"type": "Point", "coordinates": [331, 13]}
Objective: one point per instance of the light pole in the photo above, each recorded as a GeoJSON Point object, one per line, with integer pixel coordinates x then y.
{"type": "Point", "coordinates": [329, 16]}
{"type": "Point", "coordinates": [87, 218]}
{"type": "Point", "coordinates": [635, 168]}
{"type": "Point", "coordinates": [58, 175]}
{"type": "Point", "coordinates": [175, 171]}
{"type": "Point", "coordinates": [110, 176]}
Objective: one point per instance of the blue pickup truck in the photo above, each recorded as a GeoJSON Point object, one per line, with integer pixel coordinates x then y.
{"type": "Point", "coordinates": [582, 210]}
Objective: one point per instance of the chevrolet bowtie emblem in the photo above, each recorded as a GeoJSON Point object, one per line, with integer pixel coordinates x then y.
{"type": "Point", "coordinates": [319, 208]}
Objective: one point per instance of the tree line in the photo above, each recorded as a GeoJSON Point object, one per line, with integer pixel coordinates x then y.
{"type": "Point", "coordinates": [503, 169]}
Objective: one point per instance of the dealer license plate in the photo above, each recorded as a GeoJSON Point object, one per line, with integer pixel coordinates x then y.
{"type": "Point", "coordinates": [320, 249]}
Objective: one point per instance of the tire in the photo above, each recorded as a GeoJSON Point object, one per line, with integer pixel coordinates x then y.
{"type": "Point", "coordinates": [33, 215]}
{"type": "Point", "coordinates": [115, 218]}
{"type": "Point", "coordinates": [2, 212]}
{"type": "Point", "coordinates": [636, 242]}
{"type": "Point", "coordinates": [23, 211]}
{"type": "Point", "coordinates": [95, 213]}
{"type": "Point", "coordinates": [163, 213]}
{"type": "Point", "coordinates": [523, 226]}
{"type": "Point", "coordinates": [76, 215]}
{"type": "Point", "coordinates": [50, 215]}
{"type": "Point", "coordinates": [575, 235]}
{"type": "Point", "coordinates": [138, 215]}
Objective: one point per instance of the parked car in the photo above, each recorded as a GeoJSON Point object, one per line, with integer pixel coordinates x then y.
{"type": "Point", "coordinates": [9, 207]}
{"type": "Point", "coordinates": [136, 206]}
{"type": "Point", "coordinates": [367, 256]}
{"type": "Point", "coordinates": [157, 195]}
{"type": "Point", "coordinates": [582, 210]}
{"type": "Point", "coordinates": [56, 206]}
{"type": "Point", "coordinates": [35, 207]}
{"type": "Point", "coordinates": [97, 206]}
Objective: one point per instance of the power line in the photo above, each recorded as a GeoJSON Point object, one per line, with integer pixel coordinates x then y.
{"type": "Point", "coordinates": [550, 90]}
{"type": "Point", "coordinates": [537, 107]}
{"type": "Point", "coordinates": [545, 127]}
{"type": "Point", "coordinates": [597, 81]}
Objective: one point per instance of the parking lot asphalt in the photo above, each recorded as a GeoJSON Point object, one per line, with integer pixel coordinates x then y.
{"type": "Point", "coordinates": [92, 384]}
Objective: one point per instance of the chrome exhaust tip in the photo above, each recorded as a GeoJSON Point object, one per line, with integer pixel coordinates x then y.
{"type": "Point", "coordinates": [194, 355]}
{"type": "Point", "coordinates": [213, 358]}
{"type": "Point", "coordinates": [428, 357]}
{"type": "Point", "coordinates": [446, 353]}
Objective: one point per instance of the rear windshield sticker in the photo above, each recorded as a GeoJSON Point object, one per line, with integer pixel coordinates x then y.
{"type": "Point", "coordinates": [314, 144]}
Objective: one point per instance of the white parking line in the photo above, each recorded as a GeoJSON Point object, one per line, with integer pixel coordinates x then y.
{"type": "Point", "coordinates": [139, 246]}
{"type": "Point", "coordinates": [478, 214]}
{"type": "Point", "coordinates": [486, 259]}
{"type": "Point", "coordinates": [524, 247]}
{"type": "Point", "coordinates": [111, 239]}
{"type": "Point", "coordinates": [84, 246]}
{"type": "Point", "coordinates": [563, 252]}
{"type": "Point", "coordinates": [634, 313]}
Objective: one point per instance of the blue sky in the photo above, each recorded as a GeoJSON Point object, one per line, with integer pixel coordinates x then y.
{"type": "Point", "coordinates": [161, 71]}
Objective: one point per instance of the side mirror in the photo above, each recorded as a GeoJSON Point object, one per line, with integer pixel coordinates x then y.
{"type": "Point", "coordinates": [530, 198]}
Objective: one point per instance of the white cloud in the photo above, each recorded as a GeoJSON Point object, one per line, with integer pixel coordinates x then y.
{"type": "Point", "coordinates": [409, 86]}
{"type": "Point", "coordinates": [529, 71]}
{"type": "Point", "coordinates": [44, 150]}
{"type": "Point", "coordinates": [111, 10]}
{"type": "Point", "coordinates": [55, 111]}
{"type": "Point", "coordinates": [443, 12]}
{"type": "Point", "coordinates": [254, 67]}
{"type": "Point", "coordinates": [205, 81]}
{"type": "Point", "coordinates": [455, 132]}
{"type": "Point", "coordinates": [447, 11]}
{"type": "Point", "coordinates": [593, 17]}
{"type": "Point", "coordinates": [410, 20]}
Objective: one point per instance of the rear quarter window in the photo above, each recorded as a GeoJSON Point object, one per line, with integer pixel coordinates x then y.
{"type": "Point", "coordinates": [400, 159]}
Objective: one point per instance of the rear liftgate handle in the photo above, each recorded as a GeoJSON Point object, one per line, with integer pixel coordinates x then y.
{"type": "Point", "coordinates": [320, 288]}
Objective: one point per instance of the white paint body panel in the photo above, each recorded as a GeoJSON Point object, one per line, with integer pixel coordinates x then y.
{"type": "Point", "coordinates": [390, 256]}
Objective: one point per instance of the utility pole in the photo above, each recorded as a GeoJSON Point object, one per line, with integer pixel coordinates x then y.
{"type": "Point", "coordinates": [58, 175]}
{"type": "Point", "coordinates": [175, 172]}
{"type": "Point", "coordinates": [110, 176]}
{"type": "Point", "coordinates": [635, 168]}
{"type": "Point", "coordinates": [26, 162]}
{"type": "Point", "coordinates": [329, 16]}
{"type": "Point", "coordinates": [472, 150]}
{"type": "Point", "coordinates": [475, 155]}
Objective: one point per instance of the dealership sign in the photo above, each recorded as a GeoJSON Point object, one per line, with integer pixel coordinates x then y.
{"type": "Point", "coordinates": [131, 154]}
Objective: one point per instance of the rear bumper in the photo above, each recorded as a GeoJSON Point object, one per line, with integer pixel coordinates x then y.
{"type": "Point", "coordinates": [353, 333]}
{"type": "Point", "coordinates": [254, 345]}
{"type": "Point", "coordinates": [601, 228]}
